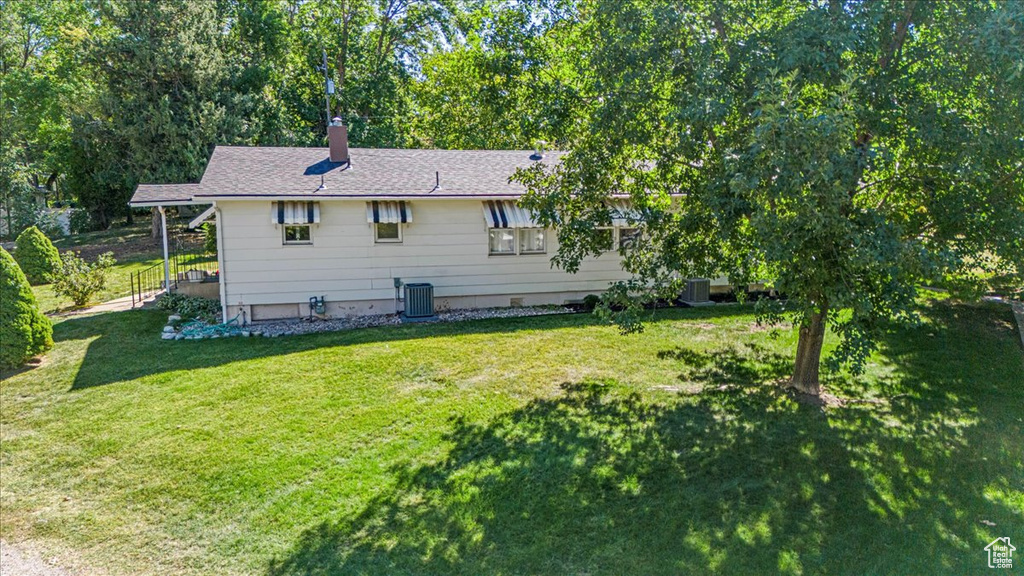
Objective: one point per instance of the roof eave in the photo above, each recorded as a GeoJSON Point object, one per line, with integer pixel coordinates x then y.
{"type": "Point", "coordinates": [323, 196]}
{"type": "Point", "coordinates": [151, 203]}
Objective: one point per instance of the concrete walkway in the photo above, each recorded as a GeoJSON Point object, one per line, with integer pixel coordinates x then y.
{"type": "Point", "coordinates": [115, 305]}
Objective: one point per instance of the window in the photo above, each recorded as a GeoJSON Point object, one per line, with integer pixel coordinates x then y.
{"type": "Point", "coordinates": [298, 234]}
{"type": "Point", "coordinates": [606, 239]}
{"type": "Point", "coordinates": [387, 232]}
{"type": "Point", "coordinates": [502, 241]}
{"type": "Point", "coordinates": [628, 237]}
{"type": "Point", "coordinates": [512, 241]}
{"type": "Point", "coordinates": [531, 241]}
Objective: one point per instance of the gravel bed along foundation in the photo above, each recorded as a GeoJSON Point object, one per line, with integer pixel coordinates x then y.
{"type": "Point", "coordinates": [291, 327]}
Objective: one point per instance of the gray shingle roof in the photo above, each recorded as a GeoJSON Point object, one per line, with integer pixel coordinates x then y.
{"type": "Point", "coordinates": [155, 193]}
{"type": "Point", "coordinates": [238, 171]}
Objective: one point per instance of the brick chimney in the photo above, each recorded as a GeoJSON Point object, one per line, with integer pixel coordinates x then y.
{"type": "Point", "coordinates": [337, 140]}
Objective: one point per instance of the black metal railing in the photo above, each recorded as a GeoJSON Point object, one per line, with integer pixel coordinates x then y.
{"type": "Point", "coordinates": [190, 263]}
{"type": "Point", "coordinates": [188, 260]}
{"type": "Point", "coordinates": [146, 283]}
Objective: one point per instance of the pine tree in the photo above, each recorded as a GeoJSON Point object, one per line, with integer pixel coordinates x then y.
{"type": "Point", "coordinates": [24, 330]}
{"type": "Point", "coordinates": [159, 110]}
{"type": "Point", "coordinates": [36, 255]}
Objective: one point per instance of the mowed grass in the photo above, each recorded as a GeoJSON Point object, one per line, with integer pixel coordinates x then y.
{"type": "Point", "coordinates": [118, 284]}
{"type": "Point", "coordinates": [118, 237]}
{"type": "Point", "coordinates": [133, 247]}
{"type": "Point", "coordinates": [532, 446]}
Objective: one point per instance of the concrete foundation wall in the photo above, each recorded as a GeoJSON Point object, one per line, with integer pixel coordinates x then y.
{"type": "Point", "coordinates": [258, 312]}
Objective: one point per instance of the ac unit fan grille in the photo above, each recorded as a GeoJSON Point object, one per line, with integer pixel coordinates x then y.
{"type": "Point", "coordinates": [697, 290]}
{"type": "Point", "coordinates": [419, 300]}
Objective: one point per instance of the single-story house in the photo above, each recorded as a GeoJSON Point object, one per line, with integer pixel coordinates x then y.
{"type": "Point", "coordinates": [352, 225]}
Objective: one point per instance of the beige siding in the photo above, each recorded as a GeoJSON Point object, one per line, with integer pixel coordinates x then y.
{"type": "Point", "coordinates": [446, 245]}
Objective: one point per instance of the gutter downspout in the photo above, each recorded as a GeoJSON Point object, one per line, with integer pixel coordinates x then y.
{"type": "Point", "coordinates": [222, 277]}
{"type": "Point", "coordinates": [167, 262]}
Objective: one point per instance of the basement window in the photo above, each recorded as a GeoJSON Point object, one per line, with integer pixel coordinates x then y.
{"type": "Point", "coordinates": [298, 234]}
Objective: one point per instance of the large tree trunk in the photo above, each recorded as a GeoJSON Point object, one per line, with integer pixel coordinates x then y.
{"type": "Point", "coordinates": [157, 230]}
{"type": "Point", "coordinates": [808, 353]}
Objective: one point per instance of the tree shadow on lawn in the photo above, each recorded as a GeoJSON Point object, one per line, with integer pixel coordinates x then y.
{"type": "Point", "coordinates": [743, 364]}
{"type": "Point", "coordinates": [735, 479]}
{"type": "Point", "coordinates": [126, 345]}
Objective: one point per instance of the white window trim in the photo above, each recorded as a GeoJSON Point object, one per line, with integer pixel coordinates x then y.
{"type": "Point", "coordinates": [516, 243]}
{"type": "Point", "coordinates": [618, 235]}
{"type": "Point", "coordinates": [284, 235]}
{"type": "Point", "coordinates": [519, 242]}
{"type": "Point", "coordinates": [378, 240]}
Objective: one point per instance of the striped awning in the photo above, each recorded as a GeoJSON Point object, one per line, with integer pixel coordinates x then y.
{"type": "Point", "coordinates": [295, 212]}
{"type": "Point", "coordinates": [506, 214]}
{"type": "Point", "coordinates": [623, 213]}
{"type": "Point", "coordinates": [379, 211]}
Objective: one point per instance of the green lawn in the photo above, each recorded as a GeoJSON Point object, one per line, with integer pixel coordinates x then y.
{"type": "Point", "coordinates": [534, 446]}
{"type": "Point", "coordinates": [133, 248]}
{"type": "Point", "coordinates": [119, 235]}
{"type": "Point", "coordinates": [118, 283]}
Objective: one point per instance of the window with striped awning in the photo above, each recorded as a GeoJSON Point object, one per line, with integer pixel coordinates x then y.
{"type": "Point", "coordinates": [506, 214]}
{"type": "Point", "coordinates": [385, 212]}
{"type": "Point", "coordinates": [622, 213]}
{"type": "Point", "coordinates": [295, 212]}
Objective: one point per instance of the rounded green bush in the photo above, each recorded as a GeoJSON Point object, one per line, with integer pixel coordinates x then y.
{"type": "Point", "coordinates": [36, 255]}
{"type": "Point", "coordinates": [24, 330]}
{"type": "Point", "coordinates": [80, 281]}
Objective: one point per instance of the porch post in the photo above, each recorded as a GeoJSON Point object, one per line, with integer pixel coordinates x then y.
{"type": "Point", "coordinates": [167, 262]}
{"type": "Point", "coordinates": [221, 270]}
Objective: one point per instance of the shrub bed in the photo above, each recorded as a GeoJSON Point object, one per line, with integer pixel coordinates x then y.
{"type": "Point", "coordinates": [192, 307]}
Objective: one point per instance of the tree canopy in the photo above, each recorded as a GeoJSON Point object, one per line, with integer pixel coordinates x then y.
{"type": "Point", "coordinates": [841, 152]}
{"type": "Point", "coordinates": [98, 96]}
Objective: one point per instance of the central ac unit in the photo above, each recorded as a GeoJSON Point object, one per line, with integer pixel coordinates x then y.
{"type": "Point", "coordinates": [419, 302]}
{"type": "Point", "coordinates": [697, 292]}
